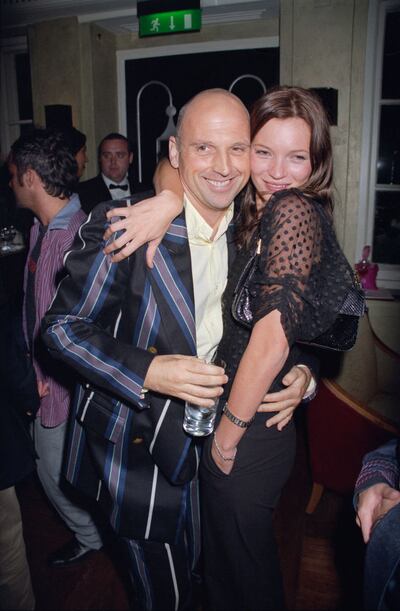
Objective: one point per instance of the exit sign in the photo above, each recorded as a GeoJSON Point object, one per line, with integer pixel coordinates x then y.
{"type": "Point", "coordinates": [170, 22]}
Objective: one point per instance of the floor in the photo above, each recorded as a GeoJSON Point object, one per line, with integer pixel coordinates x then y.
{"type": "Point", "coordinates": [321, 554]}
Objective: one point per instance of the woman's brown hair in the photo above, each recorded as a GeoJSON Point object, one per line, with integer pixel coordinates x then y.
{"type": "Point", "coordinates": [284, 103]}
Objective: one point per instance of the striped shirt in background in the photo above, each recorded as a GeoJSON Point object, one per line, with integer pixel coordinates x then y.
{"type": "Point", "coordinates": [54, 407]}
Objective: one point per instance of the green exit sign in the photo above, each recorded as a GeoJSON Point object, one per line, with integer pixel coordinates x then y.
{"type": "Point", "coordinates": [170, 23]}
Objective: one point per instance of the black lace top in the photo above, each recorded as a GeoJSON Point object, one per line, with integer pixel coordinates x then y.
{"type": "Point", "coordinates": [302, 272]}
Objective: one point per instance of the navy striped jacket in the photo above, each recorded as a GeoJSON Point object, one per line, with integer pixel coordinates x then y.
{"type": "Point", "coordinates": [108, 321]}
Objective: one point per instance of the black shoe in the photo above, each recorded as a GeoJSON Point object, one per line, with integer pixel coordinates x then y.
{"type": "Point", "coordinates": [69, 553]}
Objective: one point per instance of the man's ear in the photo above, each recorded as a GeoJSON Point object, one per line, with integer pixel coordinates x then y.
{"type": "Point", "coordinates": [130, 158]}
{"type": "Point", "coordinates": [29, 177]}
{"type": "Point", "coordinates": [173, 152]}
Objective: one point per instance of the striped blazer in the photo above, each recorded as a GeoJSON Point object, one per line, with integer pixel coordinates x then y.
{"type": "Point", "coordinates": [108, 321]}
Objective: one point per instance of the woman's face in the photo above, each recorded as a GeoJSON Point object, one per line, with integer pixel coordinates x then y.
{"type": "Point", "coordinates": [280, 157]}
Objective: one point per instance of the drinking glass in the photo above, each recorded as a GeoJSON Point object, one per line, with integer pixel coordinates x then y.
{"type": "Point", "coordinates": [199, 421]}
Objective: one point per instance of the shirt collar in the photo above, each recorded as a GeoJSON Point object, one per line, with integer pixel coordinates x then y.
{"type": "Point", "coordinates": [198, 230]}
{"type": "Point", "coordinates": [109, 182]}
{"type": "Point", "coordinates": [63, 217]}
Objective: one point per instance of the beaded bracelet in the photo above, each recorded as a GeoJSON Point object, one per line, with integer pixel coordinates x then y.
{"type": "Point", "coordinates": [220, 454]}
{"type": "Point", "coordinates": [244, 424]}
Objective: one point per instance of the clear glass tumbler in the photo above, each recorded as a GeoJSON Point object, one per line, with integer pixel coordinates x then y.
{"type": "Point", "coordinates": [199, 421]}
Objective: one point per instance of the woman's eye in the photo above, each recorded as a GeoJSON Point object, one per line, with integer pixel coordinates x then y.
{"type": "Point", "coordinates": [262, 153]}
{"type": "Point", "coordinates": [299, 157]}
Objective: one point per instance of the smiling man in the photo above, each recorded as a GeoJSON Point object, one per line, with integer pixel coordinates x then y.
{"type": "Point", "coordinates": [134, 334]}
{"type": "Point", "coordinates": [113, 181]}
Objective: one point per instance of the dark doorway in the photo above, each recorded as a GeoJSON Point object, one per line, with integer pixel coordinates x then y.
{"type": "Point", "coordinates": [186, 75]}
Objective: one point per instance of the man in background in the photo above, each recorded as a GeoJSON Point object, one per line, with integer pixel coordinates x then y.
{"type": "Point", "coordinates": [377, 502]}
{"type": "Point", "coordinates": [43, 178]}
{"type": "Point", "coordinates": [76, 141]}
{"type": "Point", "coordinates": [113, 181]}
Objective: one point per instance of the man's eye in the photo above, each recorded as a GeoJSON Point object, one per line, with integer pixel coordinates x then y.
{"type": "Point", "coordinates": [121, 155]}
{"type": "Point", "coordinates": [239, 150]}
{"type": "Point", "coordinates": [202, 148]}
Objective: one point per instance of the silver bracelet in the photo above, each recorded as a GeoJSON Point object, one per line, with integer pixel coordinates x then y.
{"type": "Point", "coordinates": [220, 454]}
{"type": "Point", "coordinates": [244, 424]}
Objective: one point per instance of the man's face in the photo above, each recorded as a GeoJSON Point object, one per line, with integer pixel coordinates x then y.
{"type": "Point", "coordinates": [21, 191]}
{"type": "Point", "coordinates": [115, 159]}
{"type": "Point", "coordinates": [212, 153]}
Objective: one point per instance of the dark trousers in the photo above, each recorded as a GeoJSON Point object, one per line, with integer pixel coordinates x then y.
{"type": "Point", "coordinates": [161, 575]}
{"type": "Point", "coordinates": [241, 567]}
{"type": "Point", "coordinates": [382, 564]}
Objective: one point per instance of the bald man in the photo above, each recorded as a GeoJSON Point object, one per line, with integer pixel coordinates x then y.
{"type": "Point", "coordinates": [133, 334]}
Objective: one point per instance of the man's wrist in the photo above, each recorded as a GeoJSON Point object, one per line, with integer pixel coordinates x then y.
{"type": "Point", "coordinates": [311, 389]}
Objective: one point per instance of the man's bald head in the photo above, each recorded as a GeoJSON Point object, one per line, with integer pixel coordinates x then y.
{"type": "Point", "coordinates": [209, 96]}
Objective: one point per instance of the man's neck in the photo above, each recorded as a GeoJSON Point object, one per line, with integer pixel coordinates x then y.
{"type": "Point", "coordinates": [117, 182]}
{"type": "Point", "coordinates": [213, 220]}
{"type": "Point", "coordinates": [212, 217]}
{"type": "Point", "coordinates": [48, 207]}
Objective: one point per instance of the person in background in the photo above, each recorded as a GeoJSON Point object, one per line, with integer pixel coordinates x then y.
{"type": "Point", "coordinates": [113, 181]}
{"type": "Point", "coordinates": [43, 178]}
{"type": "Point", "coordinates": [18, 405]}
{"type": "Point", "coordinates": [377, 503]}
{"type": "Point", "coordinates": [133, 333]}
{"type": "Point", "coordinates": [76, 141]}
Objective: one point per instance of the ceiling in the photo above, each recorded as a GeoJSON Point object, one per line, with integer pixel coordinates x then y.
{"type": "Point", "coordinates": [119, 16]}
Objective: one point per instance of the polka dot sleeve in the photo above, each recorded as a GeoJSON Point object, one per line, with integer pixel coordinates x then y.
{"type": "Point", "coordinates": [302, 271]}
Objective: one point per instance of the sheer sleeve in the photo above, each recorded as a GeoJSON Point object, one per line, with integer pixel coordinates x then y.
{"type": "Point", "coordinates": [302, 271]}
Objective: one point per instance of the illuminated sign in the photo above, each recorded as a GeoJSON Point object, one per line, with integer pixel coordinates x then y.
{"type": "Point", "coordinates": [168, 16]}
{"type": "Point", "coordinates": [170, 23]}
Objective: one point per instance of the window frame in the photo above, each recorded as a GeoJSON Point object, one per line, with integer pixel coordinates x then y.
{"type": "Point", "coordinates": [389, 275]}
{"type": "Point", "coordinates": [10, 121]}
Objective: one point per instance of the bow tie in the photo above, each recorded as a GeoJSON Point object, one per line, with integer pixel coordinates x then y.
{"type": "Point", "coordinates": [122, 187]}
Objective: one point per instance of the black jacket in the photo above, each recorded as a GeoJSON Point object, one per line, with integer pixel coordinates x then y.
{"type": "Point", "coordinates": [94, 191]}
{"type": "Point", "coordinates": [18, 392]}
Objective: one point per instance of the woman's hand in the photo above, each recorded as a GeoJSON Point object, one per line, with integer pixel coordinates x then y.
{"type": "Point", "coordinates": [147, 221]}
{"type": "Point", "coordinates": [221, 457]}
{"type": "Point", "coordinates": [285, 401]}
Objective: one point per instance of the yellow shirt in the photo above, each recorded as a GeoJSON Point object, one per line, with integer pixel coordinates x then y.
{"type": "Point", "coordinates": [209, 270]}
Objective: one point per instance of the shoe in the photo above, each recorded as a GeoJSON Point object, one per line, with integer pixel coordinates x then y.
{"type": "Point", "coordinates": [70, 553]}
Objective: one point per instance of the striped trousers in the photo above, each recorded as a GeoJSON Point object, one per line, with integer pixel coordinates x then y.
{"type": "Point", "coordinates": [164, 575]}
{"type": "Point", "coordinates": [161, 576]}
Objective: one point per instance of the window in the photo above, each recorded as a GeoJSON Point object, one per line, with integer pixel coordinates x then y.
{"type": "Point", "coordinates": [379, 222]}
{"type": "Point", "coordinates": [16, 93]}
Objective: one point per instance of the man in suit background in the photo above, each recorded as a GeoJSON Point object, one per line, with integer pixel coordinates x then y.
{"type": "Point", "coordinates": [113, 181]}
{"type": "Point", "coordinates": [134, 333]}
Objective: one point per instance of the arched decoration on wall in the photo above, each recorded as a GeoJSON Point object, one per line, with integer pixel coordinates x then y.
{"type": "Point", "coordinates": [250, 76]}
{"type": "Point", "coordinates": [170, 111]}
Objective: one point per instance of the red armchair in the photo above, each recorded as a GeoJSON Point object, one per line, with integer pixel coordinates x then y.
{"type": "Point", "coordinates": [352, 414]}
